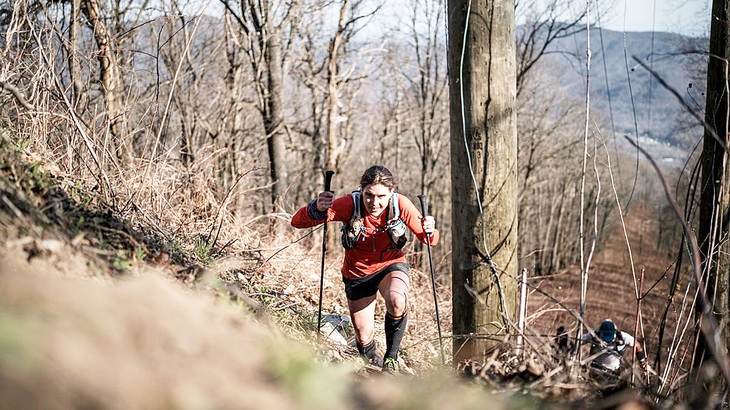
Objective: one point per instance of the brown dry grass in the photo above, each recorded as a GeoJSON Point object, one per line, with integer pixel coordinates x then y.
{"type": "Point", "coordinates": [98, 310]}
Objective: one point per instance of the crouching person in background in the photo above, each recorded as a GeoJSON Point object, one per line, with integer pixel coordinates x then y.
{"type": "Point", "coordinates": [608, 346]}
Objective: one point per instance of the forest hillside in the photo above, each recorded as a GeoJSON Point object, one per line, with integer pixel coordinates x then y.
{"type": "Point", "coordinates": [97, 312]}
{"type": "Point", "coordinates": [152, 155]}
{"type": "Point", "coordinates": [625, 94]}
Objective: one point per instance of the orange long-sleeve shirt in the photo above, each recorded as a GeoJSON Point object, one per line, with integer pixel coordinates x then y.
{"type": "Point", "coordinates": [373, 251]}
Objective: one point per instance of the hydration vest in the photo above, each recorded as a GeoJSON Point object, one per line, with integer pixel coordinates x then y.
{"type": "Point", "coordinates": [618, 345]}
{"type": "Point", "coordinates": [608, 354]}
{"type": "Point", "coordinates": [353, 229]}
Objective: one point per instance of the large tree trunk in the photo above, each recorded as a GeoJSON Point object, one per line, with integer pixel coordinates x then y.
{"type": "Point", "coordinates": [714, 201]}
{"type": "Point", "coordinates": [78, 97]}
{"type": "Point", "coordinates": [483, 173]}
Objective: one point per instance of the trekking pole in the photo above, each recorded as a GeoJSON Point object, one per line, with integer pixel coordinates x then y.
{"type": "Point", "coordinates": [424, 208]}
{"type": "Point", "coordinates": [327, 180]}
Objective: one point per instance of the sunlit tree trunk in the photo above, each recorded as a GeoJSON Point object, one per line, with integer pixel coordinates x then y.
{"type": "Point", "coordinates": [483, 173]}
{"type": "Point", "coordinates": [74, 68]}
{"type": "Point", "coordinates": [333, 92]}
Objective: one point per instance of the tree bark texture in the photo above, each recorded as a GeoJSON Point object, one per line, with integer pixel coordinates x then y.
{"type": "Point", "coordinates": [483, 171]}
{"type": "Point", "coordinates": [714, 195]}
{"type": "Point", "coordinates": [74, 68]}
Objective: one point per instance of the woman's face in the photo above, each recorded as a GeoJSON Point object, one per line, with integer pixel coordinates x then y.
{"type": "Point", "coordinates": [376, 197]}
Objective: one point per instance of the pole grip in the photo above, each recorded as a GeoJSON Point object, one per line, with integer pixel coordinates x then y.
{"type": "Point", "coordinates": [328, 179]}
{"type": "Point", "coordinates": [424, 204]}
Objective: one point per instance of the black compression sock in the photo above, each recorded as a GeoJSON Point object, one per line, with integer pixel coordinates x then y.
{"type": "Point", "coordinates": [368, 351]}
{"type": "Point", "coordinates": [395, 328]}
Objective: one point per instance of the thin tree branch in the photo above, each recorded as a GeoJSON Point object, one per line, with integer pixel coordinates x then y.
{"type": "Point", "coordinates": [17, 94]}
{"type": "Point", "coordinates": [708, 324]}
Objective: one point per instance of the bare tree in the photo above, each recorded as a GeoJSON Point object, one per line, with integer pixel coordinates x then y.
{"type": "Point", "coordinates": [188, 53]}
{"type": "Point", "coordinates": [334, 79]}
{"type": "Point", "coordinates": [75, 72]}
{"type": "Point", "coordinates": [333, 99]}
{"type": "Point", "coordinates": [237, 128]}
{"type": "Point", "coordinates": [108, 41]}
{"type": "Point", "coordinates": [86, 72]}
{"type": "Point", "coordinates": [544, 23]}
{"type": "Point", "coordinates": [418, 118]}
{"type": "Point", "coordinates": [428, 89]}
{"type": "Point", "coordinates": [268, 28]}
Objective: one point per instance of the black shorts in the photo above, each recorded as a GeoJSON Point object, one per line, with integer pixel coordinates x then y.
{"type": "Point", "coordinates": [359, 288]}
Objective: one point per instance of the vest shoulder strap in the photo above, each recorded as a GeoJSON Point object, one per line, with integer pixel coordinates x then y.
{"type": "Point", "coordinates": [356, 212]}
{"type": "Point", "coordinates": [394, 209]}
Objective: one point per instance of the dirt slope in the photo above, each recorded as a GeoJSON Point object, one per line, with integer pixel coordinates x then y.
{"type": "Point", "coordinates": [79, 340]}
{"type": "Point", "coordinates": [612, 285]}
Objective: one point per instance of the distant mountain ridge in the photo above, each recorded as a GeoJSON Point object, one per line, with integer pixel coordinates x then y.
{"type": "Point", "coordinates": [637, 100]}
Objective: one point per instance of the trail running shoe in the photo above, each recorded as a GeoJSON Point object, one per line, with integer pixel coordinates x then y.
{"type": "Point", "coordinates": [390, 365]}
{"type": "Point", "coordinates": [376, 360]}
{"type": "Point", "coordinates": [377, 356]}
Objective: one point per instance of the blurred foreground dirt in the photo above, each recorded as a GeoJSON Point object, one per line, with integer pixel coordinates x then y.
{"type": "Point", "coordinates": [76, 340]}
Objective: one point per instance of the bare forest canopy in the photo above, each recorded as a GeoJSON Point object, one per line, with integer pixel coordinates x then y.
{"type": "Point", "coordinates": [258, 109]}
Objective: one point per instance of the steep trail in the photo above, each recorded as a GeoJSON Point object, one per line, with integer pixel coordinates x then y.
{"type": "Point", "coordinates": [611, 290]}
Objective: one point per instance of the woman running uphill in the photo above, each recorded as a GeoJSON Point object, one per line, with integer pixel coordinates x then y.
{"type": "Point", "coordinates": [373, 259]}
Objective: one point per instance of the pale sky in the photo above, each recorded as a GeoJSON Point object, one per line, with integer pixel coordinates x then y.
{"type": "Point", "coordinates": [690, 17]}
